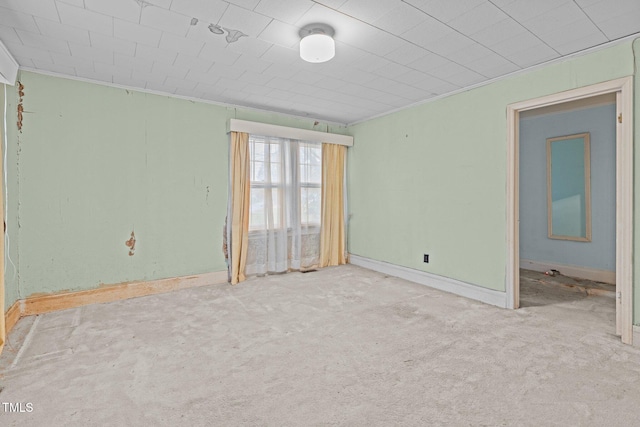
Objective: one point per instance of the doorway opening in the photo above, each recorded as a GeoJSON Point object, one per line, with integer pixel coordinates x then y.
{"type": "Point", "coordinates": [623, 91]}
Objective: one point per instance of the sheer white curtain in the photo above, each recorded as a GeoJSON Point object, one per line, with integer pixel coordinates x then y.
{"type": "Point", "coordinates": [284, 222]}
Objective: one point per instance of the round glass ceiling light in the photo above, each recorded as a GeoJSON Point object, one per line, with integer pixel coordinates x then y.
{"type": "Point", "coordinates": [317, 45]}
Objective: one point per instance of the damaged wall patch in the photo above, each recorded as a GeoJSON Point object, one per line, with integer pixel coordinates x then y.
{"type": "Point", "coordinates": [131, 244]}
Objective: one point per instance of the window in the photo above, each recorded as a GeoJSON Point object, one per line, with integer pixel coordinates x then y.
{"type": "Point", "coordinates": [278, 207]}
{"type": "Point", "coordinates": [310, 183]}
{"type": "Point", "coordinates": [285, 204]}
{"type": "Point", "coordinates": [267, 181]}
{"type": "Point", "coordinates": [285, 175]}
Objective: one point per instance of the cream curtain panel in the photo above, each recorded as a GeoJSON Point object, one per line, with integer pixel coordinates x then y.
{"type": "Point", "coordinates": [332, 231]}
{"type": "Point", "coordinates": [240, 182]}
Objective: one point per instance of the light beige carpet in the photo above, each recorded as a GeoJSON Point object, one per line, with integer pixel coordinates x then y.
{"type": "Point", "coordinates": [341, 346]}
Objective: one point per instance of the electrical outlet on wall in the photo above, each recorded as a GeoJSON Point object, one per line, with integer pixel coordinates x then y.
{"type": "Point", "coordinates": [426, 258]}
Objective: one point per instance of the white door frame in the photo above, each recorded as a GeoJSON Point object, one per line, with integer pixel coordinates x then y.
{"type": "Point", "coordinates": [623, 88]}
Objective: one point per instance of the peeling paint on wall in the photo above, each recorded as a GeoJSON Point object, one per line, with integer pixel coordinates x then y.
{"type": "Point", "coordinates": [20, 107]}
{"type": "Point", "coordinates": [131, 244]}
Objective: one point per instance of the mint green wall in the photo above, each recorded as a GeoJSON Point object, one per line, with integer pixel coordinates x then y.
{"type": "Point", "coordinates": [94, 163]}
{"type": "Point", "coordinates": [12, 292]}
{"type": "Point", "coordinates": [11, 288]}
{"type": "Point", "coordinates": [432, 178]}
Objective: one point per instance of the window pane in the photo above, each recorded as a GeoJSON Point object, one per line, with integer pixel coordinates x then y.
{"type": "Point", "coordinates": [310, 163]}
{"type": "Point", "coordinates": [310, 206]}
{"type": "Point", "coordinates": [258, 151]}
{"type": "Point", "coordinates": [303, 153]}
{"type": "Point", "coordinates": [304, 205]}
{"type": "Point", "coordinates": [274, 209]}
{"type": "Point", "coordinates": [276, 176]}
{"type": "Point", "coordinates": [315, 155]}
{"type": "Point", "coordinates": [275, 152]}
{"type": "Point", "coordinates": [315, 175]}
{"type": "Point", "coordinates": [257, 171]}
{"type": "Point", "coordinates": [314, 205]}
{"type": "Point", "coordinates": [256, 217]}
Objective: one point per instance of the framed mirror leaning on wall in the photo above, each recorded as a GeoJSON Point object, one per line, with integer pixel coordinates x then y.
{"type": "Point", "coordinates": [569, 187]}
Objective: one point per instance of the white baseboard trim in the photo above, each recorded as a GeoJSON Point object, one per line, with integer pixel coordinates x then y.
{"type": "Point", "coordinates": [478, 293]}
{"type": "Point", "coordinates": [603, 276]}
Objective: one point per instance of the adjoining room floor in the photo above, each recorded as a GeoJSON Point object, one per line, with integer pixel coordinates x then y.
{"type": "Point", "coordinates": [539, 289]}
{"type": "Point", "coordinates": [340, 346]}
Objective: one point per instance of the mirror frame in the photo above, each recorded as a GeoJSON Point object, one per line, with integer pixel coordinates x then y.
{"type": "Point", "coordinates": [587, 186]}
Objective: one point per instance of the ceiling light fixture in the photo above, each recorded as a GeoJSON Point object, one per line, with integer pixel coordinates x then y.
{"type": "Point", "coordinates": [317, 43]}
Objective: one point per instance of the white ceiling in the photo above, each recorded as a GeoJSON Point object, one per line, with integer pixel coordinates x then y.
{"type": "Point", "coordinates": [389, 53]}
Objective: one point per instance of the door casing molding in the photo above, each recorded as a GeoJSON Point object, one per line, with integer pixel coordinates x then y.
{"type": "Point", "coordinates": [623, 88]}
